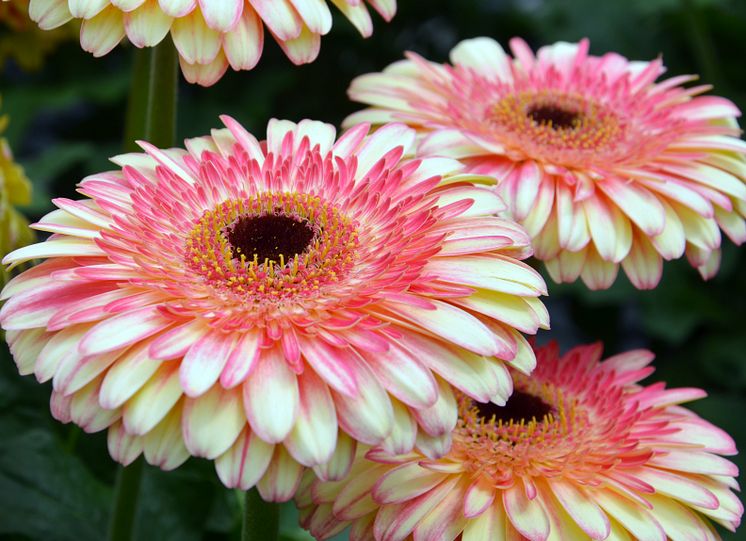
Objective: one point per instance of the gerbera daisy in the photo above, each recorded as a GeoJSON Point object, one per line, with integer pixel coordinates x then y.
{"type": "Point", "coordinates": [601, 164]}
{"type": "Point", "coordinates": [210, 35]}
{"type": "Point", "coordinates": [252, 303]}
{"type": "Point", "coordinates": [15, 189]}
{"type": "Point", "coordinates": [580, 452]}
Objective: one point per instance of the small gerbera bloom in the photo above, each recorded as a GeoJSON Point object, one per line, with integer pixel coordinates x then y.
{"type": "Point", "coordinates": [210, 35]}
{"type": "Point", "coordinates": [580, 452]}
{"type": "Point", "coordinates": [23, 41]}
{"type": "Point", "coordinates": [252, 303]}
{"type": "Point", "coordinates": [600, 164]}
{"type": "Point", "coordinates": [15, 189]}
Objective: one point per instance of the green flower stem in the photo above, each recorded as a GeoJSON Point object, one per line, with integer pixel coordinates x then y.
{"type": "Point", "coordinates": [151, 112]}
{"type": "Point", "coordinates": [261, 520]}
{"type": "Point", "coordinates": [124, 510]}
{"type": "Point", "coordinates": [151, 116]}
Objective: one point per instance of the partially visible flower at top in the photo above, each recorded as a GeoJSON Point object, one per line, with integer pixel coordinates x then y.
{"type": "Point", "coordinates": [23, 41]}
{"type": "Point", "coordinates": [600, 164]}
{"type": "Point", "coordinates": [267, 305]}
{"type": "Point", "coordinates": [15, 189]}
{"type": "Point", "coordinates": [580, 452]}
{"type": "Point", "coordinates": [210, 35]}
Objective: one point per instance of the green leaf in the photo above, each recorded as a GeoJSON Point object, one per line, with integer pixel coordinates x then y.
{"type": "Point", "coordinates": [176, 505]}
{"type": "Point", "coordinates": [46, 493]}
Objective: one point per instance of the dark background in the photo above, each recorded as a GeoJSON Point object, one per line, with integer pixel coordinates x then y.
{"type": "Point", "coordinates": [66, 120]}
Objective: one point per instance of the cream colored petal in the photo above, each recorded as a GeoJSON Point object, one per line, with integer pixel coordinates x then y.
{"type": "Point", "coordinates": [103, 32]}
{"type": "Point", "coordinates": [197, 43]}
{"type": "Point", "coordinates": [280, 18]}
{"type": "Point", "coordinates": [86, 9]}
{"type": "Point", "coordinates": [243, 45]}
{"type": "Point", "coordinates": [245, 462]}
{"type": "Point", "coordinates": [303, 49]}
{"type": "Point", "coordinates": [177, 8]}
{"type": "Point", "coordinates": [222, 15]}
{"type": "Point", "coordinates": [205, 74]}
{"type": "Point", "coordinates": [127, 5]}
{"type": "Point", "coordinates": [147, 25]}
{"type": "Point", "coordinates": [213, 421]}
{"type": "Point", "coordinates": [315, 13]}
{"type": "Point", "coordinates": [358, 15]}
{"type": "Point", "coordinates": [49, 14]}
{"type": "Point", "coordinates": [164, 445]}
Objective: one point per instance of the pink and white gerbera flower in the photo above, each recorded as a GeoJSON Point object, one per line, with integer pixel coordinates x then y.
{"type": "Point", "coordinates": [601, 164]}
{"type": "Point", "coordinates": [580, 452]}
{"type": "Point", "coordinates": [268, 304]}
{"type": "Point", "coordinates": [210, 35]}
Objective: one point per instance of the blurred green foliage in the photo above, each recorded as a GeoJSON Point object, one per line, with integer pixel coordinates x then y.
{"type": "Point", "coordinates": [66, 120]}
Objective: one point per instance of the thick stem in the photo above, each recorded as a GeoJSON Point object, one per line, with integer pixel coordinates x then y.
{"type": "Point", "coordinates": [261, 520]}
{"type": "Point", "coordinates": [151, 111]}
{"type": "Point", "coordinates": [151, 116]}
{"type": "Point", "coordinates": [124, 510]}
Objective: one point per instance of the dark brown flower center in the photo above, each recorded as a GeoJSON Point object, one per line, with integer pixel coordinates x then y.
{"type": "Point", "coordinates": [553, 116]}
{"type": "Point", "coordinates": [269, 236]}
{"type": "Point", "coordinates": [520, 407]}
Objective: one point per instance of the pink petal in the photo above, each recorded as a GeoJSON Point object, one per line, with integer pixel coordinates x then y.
{"type": "Point", "coordinates": [479, 496]}
{"type": "Point", "coordinates": [163, 446]}
{"type": "Point", "coordinates": [404, 376]}
{"type": "Point", "coordinates": [368, 415]}
{"type": "Point", "coordinates": [123, 447]}
{"type": "Point", "coordinates": [270, 397]}
{"type": "Point", "coordinates": [341, 460]}
{"type": "Point", "coordinates": [403, 434]}
{"type": "Point", "coordinates": [405, 483]}
{"type": "Point", "coordinates": [581, 507]}
{"type": "Point", "coordinates": [123, 330]}
{"type": "Point", "coordinates": [527, 516]}
{"type": "Point", "coordinates": [212, 422]}
{"type": "Point", "coordinates": [282, 477]}
{"type": "Point", "coordinates": [452, 324]}
{"type": "Point", "coordinates": [223, 15]}
{"type": "Point", "coordinates": [280, 17]}
{"type": "Point", "coordinates": [333, 365]}
{"type": "Point", "coordinates": [245, 462]}
{"type": "Point", "coordinates": [243, 45]}
{"type": "Point", "coordinates": [204, 362]}
{"type": "Point", "coordinates": [314, 435]}
{"type": "Point", "coordinates": [153, 401]}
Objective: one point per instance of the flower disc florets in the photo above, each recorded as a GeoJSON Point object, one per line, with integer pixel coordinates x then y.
{"type": "Point", "coordinates": [602, 164]}
{"type": "Point", "coordinates": [580, 451]}
{"type": "Point", "coordinates": [269, 304]}
{"type": "Point", "coordinates": [272, 248]}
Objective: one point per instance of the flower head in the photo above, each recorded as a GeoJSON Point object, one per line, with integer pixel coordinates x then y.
{"type": "Point", "coordinates": [581, 451]}
{"type": "Point", "coordinates": [23, 41]}
{"type": "Point", "coordinates": [15, 189]}
{"type": "Point", "coordinates": [210, 35]}
{"type": "Point", "coordinates": [266, 305]}
{"type": "Point", "coordinates": [600, 164]}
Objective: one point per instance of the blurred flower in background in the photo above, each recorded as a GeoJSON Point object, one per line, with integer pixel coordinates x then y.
{"type": "Point", "coordinates": [267, 305]}
{"type": "Point", "coordinates": [581, 451]}
{"type": "Point", "coordinates": [21, 39]}
{"type": "Point", "coordinates": [15, 189]}
{"type": "Point", "coordinates": [210, 35]}
{"type": "Point", "coordinates": [601, 164]}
